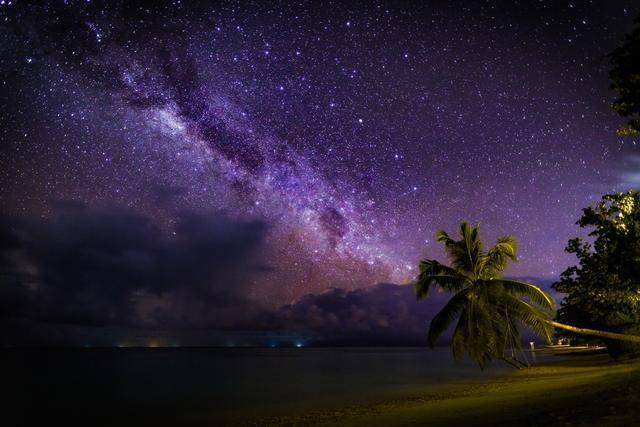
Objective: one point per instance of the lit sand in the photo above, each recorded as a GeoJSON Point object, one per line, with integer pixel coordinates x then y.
{"type": "Point", "coordinates": [584, 391]}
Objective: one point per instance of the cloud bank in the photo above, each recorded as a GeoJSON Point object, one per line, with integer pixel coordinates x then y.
{"type": "Point", "coordinates": [110, 276]}
{"type": "Point", "coordinates": [115, 268]}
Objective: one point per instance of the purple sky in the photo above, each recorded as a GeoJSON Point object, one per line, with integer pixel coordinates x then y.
{"type": "Point", "coordinates": [350, 134]}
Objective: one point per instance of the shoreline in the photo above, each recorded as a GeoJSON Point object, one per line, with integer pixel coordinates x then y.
{"type": "Point", "coordinates": [353, 389]}
{"type": "Point", "coordinates": [587, 390]}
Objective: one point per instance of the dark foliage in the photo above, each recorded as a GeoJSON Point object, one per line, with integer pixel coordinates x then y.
{"type": "Point", "coordinates": [603, 290]}
{"type": "Point", "coordinates": [488, 310]}
{"type": "Point", "coordinates": [625, 80]}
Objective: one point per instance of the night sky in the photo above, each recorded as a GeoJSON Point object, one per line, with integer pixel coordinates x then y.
{"type": "Point", "coordinates": [204, 165]}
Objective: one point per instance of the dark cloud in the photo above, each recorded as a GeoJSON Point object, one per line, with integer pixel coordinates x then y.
{"type": "Point", "coordinates": [381, 314]}
{"type": "Point", "coordinates": [113, 268]}
{"type": "Point", "coordinates": [112, 273]}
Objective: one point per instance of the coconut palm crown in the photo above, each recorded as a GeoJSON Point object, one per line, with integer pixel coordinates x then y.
{"type": "Point", "coordinates": [489, 309]}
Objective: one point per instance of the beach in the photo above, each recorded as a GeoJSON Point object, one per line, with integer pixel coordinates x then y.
{"type": "Point", "coordinates": [583, 391]}
{"type": "Point", "coordinates": [313, 386]}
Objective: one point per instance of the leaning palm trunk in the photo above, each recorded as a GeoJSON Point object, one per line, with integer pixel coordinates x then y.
{"type": "Point", "coordinates": [594, 332]}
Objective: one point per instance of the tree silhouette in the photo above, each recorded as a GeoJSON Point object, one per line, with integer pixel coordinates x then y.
{"type": "Point", "coordinates": [489, 309]}
{"type": "Point", "coordinates": [625, 80]}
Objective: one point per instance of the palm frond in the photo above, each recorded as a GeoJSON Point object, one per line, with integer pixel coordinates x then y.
{"type": "Point", "coordinates": [446, 316]}
{"type": "Point", "coordinates": [528, 315]}
{"type": "Point", "coordinates": [456, 250]}
{"type": "Point", "coordinates": [443, 237]}
{"type": "Point", "coordinates": [473, 244]}
{"type": "Point", "coordinates": [495, 260]}
{"type": "Point", "coordinates": [523, 289]}
{"type": "Point", "coordinates": [467, 241]}
{"type": "Point", "coordinates": [476, 242]}
{"type": "Point", "coordinates": [484, 332]}
{"type": "Point", "coordinates": [434, 273]}
{"type": "Point", "coordinates": [460, 336]}
{"type": "Point", "coordinates": [463, 253]}
{"type": "Point", "coordinates": [511, 333]}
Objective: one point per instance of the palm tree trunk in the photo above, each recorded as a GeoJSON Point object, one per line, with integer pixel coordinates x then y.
{"type": "Point", "coordinates": [594, 332]}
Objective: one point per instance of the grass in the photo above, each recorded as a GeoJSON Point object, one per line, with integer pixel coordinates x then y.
{"type": "Point", "coordinates": [584, 391]}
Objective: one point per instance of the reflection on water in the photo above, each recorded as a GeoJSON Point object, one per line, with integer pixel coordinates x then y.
{"type": "Point", "coordinates": [169, 384]}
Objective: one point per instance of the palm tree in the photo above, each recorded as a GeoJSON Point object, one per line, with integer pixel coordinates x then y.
{"type": "Point", "coordinates": [489, 308]}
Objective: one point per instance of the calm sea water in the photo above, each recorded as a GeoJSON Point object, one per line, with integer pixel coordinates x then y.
{"type": "Point", "coordinates": [139, 386]}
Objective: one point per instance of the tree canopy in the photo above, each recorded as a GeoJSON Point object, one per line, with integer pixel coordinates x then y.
{"type": "Point", "coordinates": [603, 290]}
{"type": "Point", "coordinates": [489, 309]}
{"type": "Point", "coordinates": [625, 80]}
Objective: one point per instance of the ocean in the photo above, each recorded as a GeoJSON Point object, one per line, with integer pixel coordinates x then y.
{"type": "Point", "coordinates": [215, 386]}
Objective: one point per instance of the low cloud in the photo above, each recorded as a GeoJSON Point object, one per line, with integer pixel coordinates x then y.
{"type": "Point", "coordinates": [384, 314]}
{"type": "Point", "coordinates": [115, 268]}
{"type": "Point", "coordinates": [109, 276]}
{"type": "Point", "coordinates": [381, 314]}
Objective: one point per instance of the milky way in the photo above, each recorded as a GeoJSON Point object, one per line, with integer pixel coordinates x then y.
{"type": "Point", "coordinates": [353, 133]}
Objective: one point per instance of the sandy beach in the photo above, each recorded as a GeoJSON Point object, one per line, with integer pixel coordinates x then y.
{"type": "Point", "coordinates": [584, 391]}
{"type": "Point", "coordinates": [315, 387]}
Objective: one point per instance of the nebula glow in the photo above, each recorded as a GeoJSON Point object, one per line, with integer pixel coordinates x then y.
{"type": "Point", "coordinates": [352, 133]}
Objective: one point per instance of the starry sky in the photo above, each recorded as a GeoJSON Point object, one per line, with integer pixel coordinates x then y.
{"type": "Point", "coordinates": [334, 137]}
